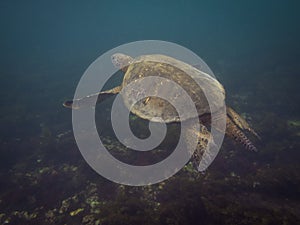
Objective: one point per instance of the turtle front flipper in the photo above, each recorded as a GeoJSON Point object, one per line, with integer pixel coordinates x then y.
{"type": "Point", "coordinates": [88, 100]}
{"type": "Point", "coordinates": [233, 131]}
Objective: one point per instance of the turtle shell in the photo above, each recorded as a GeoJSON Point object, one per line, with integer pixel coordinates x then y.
{"type": "Point", "coordinates": [194, 82]}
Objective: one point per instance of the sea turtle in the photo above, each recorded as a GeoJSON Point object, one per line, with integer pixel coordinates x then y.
{"type": "Point", "coordinates": [153, 107]}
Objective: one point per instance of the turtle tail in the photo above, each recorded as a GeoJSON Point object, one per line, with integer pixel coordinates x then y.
{"type": "Point", "coordinates": [233, 131]}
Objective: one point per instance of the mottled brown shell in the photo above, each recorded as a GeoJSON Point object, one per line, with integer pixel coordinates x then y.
{"type": "Point", "coordinates": [185, 75]}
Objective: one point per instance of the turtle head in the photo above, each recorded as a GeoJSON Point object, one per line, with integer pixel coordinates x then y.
{"type": "Point", "coordinates": [121, 61]}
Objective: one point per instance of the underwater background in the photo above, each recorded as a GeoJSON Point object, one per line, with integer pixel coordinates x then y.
{"type": "Point", "coordinates": [45, 46]}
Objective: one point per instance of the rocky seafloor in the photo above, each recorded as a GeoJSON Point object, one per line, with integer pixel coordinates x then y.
{"type": "Point", "coordinates": [240, 187]}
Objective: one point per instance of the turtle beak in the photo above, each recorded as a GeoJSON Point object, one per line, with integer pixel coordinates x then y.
{"type": "Point", "coordinates": [116, 60]}
{"type": "Point", "coordinates": [121, 61]}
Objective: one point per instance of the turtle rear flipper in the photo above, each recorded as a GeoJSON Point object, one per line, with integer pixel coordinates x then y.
{"type": "Point", "coordinates": [233, 131]}
{"type": "Point", "coordinates": [90, 99]}
{"type": "Point", "coordinates": [240, 122]}
{"type": "Point", "coordinates": [205, 143]}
